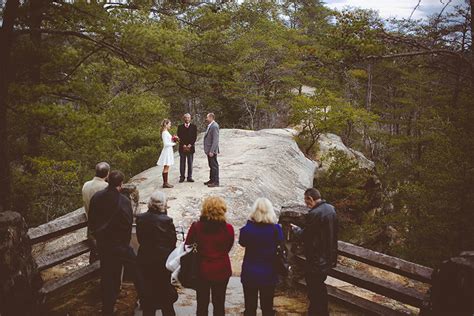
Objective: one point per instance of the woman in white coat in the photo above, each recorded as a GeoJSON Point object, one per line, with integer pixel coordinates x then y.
{"type": "Point", "coordinates": [167, 156]}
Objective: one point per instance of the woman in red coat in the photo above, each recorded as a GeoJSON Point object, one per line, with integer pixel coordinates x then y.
{"type": "Point", "coordinates": [214, 238]}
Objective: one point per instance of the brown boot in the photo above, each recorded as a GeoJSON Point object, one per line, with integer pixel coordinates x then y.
{"type": "Point", "coordinates": [165, 181]}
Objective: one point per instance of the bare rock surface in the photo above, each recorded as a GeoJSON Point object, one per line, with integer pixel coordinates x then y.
{"type": "Point", "coordinates": [265, 163]}
{"type": "Point", "coordinates": [328, 142]}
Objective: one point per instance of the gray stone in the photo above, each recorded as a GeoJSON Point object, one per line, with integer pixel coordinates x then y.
{"type": "Point", "coordinates": [329, 141]}
{"type": "Point", "coordinates": [19, 277]}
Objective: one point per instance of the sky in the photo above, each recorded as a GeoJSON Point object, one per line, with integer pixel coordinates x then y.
{"type": "Point", "coordinates": [395, 8]}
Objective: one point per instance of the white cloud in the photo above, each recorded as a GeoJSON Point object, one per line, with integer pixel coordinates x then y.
{"type": "Point", "coordinates": [398, 8]}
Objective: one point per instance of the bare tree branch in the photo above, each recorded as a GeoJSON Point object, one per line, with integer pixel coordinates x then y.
{"type": "Point", "coordinates": [414, 9]}
{"type": "Point", "coordinates": [424, 52]}
{"type": "Point", "coordinates": [98, 48]}
{"type": "Point", "coordinates": [442, 10]}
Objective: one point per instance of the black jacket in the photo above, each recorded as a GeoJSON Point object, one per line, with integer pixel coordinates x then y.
{"type": "Point", "coordinates": [156, 235]}
{"type": "Point", "coordinates": [320, 238]}
{"type": "Point", "coordinates": [187, 136]}
{"type": "Point", "coordinates": [110, 218]}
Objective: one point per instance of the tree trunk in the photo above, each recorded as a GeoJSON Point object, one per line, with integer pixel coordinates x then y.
{"type": "Point", "coordinates": [10, 14]}
{"type": "Point", "coordinates": [35, 20]}
{"type": "Point", "coordinates": [472, 33]}
{"type": "Point", "coordinates": [368, 102]}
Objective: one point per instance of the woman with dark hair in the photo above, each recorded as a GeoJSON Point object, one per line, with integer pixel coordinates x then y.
{"type": "Point", "coordinates": [214, 238]}
{"type": "Point", "coordinates": [156, 235]}
{"type": "Point", "coordinates": [260, 237]}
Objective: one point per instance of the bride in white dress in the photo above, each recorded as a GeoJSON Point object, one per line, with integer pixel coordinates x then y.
{"type": "Point", "coordinates": [167, 156]}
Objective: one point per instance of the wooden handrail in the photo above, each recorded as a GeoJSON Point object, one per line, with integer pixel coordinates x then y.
{"type": "Point", "coordinates": [81, 274]}
{"type": "Point", "coordinates": [386, 262]}
{"type": "Point", "coordinates": [58, 227]}
{"type": "Point", "coordinates": [360, 303]}
{"type": "Point", "coordinates": [386, 288]}
{"type": "Point", "coordinates": [56, 257]}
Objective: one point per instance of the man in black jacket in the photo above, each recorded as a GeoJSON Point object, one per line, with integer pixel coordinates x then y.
{"type": "Point", "coordinates": [110, 222]}
{"type": "Point", "coordinates": [187, 133]}
{"type": "Point", "coordinates": [319, 237]}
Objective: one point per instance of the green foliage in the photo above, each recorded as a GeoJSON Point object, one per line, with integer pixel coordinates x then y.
{"type": "Point", "coordinates": [350, 189]}
{"type": "Point", "coordinates": [326, 113]}
{"type": "Point", "coordinates": [50, 189]}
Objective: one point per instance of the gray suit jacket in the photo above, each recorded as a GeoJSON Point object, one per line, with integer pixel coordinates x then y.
{"type": "Point", "coordinates": [211, 139]}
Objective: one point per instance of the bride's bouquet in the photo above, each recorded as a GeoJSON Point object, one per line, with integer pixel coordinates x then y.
{"type": "Point", "coordinates": [175, 139]}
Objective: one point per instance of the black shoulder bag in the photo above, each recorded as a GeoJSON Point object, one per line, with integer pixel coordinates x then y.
{"type": "Point", "coordinates": [189, 272]}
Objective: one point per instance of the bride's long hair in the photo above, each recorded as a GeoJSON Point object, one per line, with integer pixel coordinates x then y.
{"type": "Point", "coordinates": [163, 125]}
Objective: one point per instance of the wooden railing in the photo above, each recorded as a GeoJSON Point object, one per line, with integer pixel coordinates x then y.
{"type": "Point", "coordinates": [404, 293]}
{"type": "Point", "coordinates": [358, 277]}
{"type": "Point", "coordinates": [63, 226]}
{"type": "Point", "coordinates": [50, 258]}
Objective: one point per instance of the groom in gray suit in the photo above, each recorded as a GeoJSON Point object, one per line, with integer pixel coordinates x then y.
{"type": "Point", "coordinates": [211, 148]}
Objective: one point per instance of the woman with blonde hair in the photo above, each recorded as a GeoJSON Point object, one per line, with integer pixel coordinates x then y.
{"type": "Point", "coordinates": [260, 237]}
{"type": "Point", "coordinates": [214, 238]}
{"type": "Point", "coordinates": [156, 235]}
{"type": "Point", "coordinates": [166, 157]}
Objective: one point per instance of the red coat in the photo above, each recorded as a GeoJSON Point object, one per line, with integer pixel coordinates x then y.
{"type": "Point", "coordinates": [213, 248]}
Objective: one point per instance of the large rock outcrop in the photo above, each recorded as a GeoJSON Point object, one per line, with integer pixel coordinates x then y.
{"type": "Point", "coordinates": [328, 142]}
{"type": "Point", "coordinates": [265, 163]}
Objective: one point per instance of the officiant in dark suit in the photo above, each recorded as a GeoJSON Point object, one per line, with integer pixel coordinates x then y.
{"type": "Point", "coordinates": [211, 148]}
{"type": "Point", "coordinates": [187, 133]}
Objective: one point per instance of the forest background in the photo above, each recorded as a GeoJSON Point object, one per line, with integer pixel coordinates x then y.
{"type": "Point", "coordinates": [82, 82]}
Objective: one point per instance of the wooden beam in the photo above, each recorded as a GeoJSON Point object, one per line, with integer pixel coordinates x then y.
{"type": "Point", "coordinates": [79, 275]}
{"type": "Point", "coordinates": [53, 258]}
{"type": "Point", "coordinates": [386, 262]}
{"type": "Point", "coordinates": [57, 227]}
{"type": "Point", "coordinates": [386, 288]}
{"type": "Point", "coordinates": [359, 302]}
{"type": "Point", "coordinates": [365, 280]}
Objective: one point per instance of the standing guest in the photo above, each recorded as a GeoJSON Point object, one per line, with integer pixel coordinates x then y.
{"type": "Point", "coordinates": [214, 238]}
{"type": "Point", "coordinates": [260, 237]}
{"type": "Point", "coordinates": [157, 238]}
{"type": "Point", "coordinates": [319, 237]}
{"type": "Point", "coordinates": [98, 183]}
{"type": "Point", "coordinates": [110, 222]}
{"type": "Point", "coordinates": [211, 149]}
{"type": "Point", "coordinates": [166, 157]}
{"type": "Point", "coordinates": [187, 133]}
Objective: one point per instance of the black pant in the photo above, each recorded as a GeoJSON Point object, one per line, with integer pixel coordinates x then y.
{"type": "Point", "coordinates": [112, 259]}
{"type": "Point", "coordinates": [158, 292]}
{"type": "Point", "coordinates": [317, 294]}
{"type": "Point", "coordinates": [214, 166]}
{"type": "Point", "coordinates": [183, 157]}
{"type": "Point", "coordinates": [215, 288]}
{"type": "Point", "coordinates": [266, 300]}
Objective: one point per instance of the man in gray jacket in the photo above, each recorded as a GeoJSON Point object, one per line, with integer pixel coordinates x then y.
{"type": "Point", "coordinates": [211, 148]}
{"type": "Point", "coordinates": [319, 238]}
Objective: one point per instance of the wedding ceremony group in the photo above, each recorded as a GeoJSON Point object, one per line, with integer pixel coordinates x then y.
{"type": "Point", "coordinates": [202, 262]}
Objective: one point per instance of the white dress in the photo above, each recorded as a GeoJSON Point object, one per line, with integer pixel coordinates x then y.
{"type": "Point", "coordinates": [167, 155]}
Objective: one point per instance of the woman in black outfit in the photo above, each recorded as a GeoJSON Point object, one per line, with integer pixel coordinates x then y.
{"type": "Point", "coordinates": [156, 235]}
